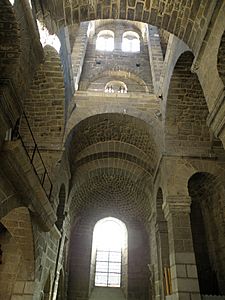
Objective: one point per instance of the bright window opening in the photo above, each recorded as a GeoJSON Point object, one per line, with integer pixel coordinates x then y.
{"type": "Point", "coordinates": [116, 86]}
{"type": "Point", "coordinates": [109, 242]}
{"type": "Point", "coordinates": [105, 40]}
{"type": "Point", "coordinates": [48, 39]}
{"type": "Point", "coordinates": [130, 42]}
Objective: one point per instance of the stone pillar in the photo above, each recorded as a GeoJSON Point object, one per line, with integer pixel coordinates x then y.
{"type": "Point", "coordinates": [182, 258]}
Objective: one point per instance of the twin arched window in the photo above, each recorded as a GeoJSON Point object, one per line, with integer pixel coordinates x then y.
{"type": "Point", "coordinates": [130, 41]}
{"type": "Point", "coordinates": [116, 86]}
{"type": "Point", "coordinates": [105, 40]}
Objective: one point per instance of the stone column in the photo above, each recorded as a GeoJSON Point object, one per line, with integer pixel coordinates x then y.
{"type": "Point", "coordinates": [182, 258]}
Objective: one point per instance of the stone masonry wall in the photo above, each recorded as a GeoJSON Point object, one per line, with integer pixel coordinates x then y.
{"type": "Point", "coordinates": [208, 212]}
{"type": "Point", "coordinates": [80, 259]}
{"type": "Point", "coordinates": [186, 111]}
{"type": "Point", "coordinates": [44, 105]}
{"type": "Point", "coordinates": [99, 62]}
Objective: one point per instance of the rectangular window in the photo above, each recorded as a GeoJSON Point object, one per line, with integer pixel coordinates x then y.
{"type": "Point", "coordinates": [108, 268]}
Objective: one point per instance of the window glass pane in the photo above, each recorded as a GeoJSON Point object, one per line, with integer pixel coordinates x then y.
{"type": "Point", "coordinates": [136, 45]}
{"type": "Point", "coordinates": [101, 279]}
{"type": "Point", "coordinates": [114, 267]}
{"type": "Point", "coordinates": [115, 256]}
{"type": "Point", "coordinates": [101, 266]}
{"type": "Point", "coordinates": [102, 256]}
{"type": "Point", "coordinates": [114, 280]}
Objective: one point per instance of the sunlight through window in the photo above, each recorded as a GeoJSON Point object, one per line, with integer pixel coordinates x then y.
{"type": "Point", "coordinates": [105, 40]}
{"type": "Point", "coordinates": [130, 42]}
{"type": "Point", "coordinates": [109, 240]}
{"type": "Point", "coordinates": [48, 39]}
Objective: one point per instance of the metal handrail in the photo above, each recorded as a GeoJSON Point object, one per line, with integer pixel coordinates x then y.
{"type": "Point", "coordinates": [44, 177]}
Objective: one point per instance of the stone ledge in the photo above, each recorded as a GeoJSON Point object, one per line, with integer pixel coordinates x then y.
{"type": "Point", "coordinates": [17, 167]}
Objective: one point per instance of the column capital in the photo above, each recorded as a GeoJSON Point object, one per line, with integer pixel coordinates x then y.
{"type": "Point", "coordinates": [176, 204]}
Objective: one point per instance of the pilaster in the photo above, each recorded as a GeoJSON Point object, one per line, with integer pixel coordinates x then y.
{"type": "Point", "coordinates": [182, 258]}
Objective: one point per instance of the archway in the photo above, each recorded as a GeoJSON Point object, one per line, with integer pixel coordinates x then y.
{"type": "Point", "coordinates": [207, 211]}
{"type": "Point", "coordinates": [186, 132]}
{"type": "Point", "coordinates": [17, 268]}
{"type": "Point", "coordinates": [158, 13]}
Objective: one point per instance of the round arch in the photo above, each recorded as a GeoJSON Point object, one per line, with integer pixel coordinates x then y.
{"type": "Point", "coordinates": [207, 209]}
{"type": "Point", "coordinates": [160, 14]}
{"type": "Point", "coordinates": [186, 113]}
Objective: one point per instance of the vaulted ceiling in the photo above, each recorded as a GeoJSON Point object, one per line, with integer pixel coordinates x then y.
{"type": "Point", "coordinates": [112, 159]}
{"type": "Point", "coordinates": [186, 19]}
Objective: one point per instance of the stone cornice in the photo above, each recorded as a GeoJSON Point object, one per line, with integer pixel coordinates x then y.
{"type": "Point", "coordinates": [176, 204]}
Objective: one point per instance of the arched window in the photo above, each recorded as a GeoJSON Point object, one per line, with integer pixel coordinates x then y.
{"type": "Point", "coordinates": [116, 86]}
{"type": "Point", "coordinates": [105, 40]}
{"type": "Point", "coordinates": [130, 42]}
{"type": "Point", "coordinates": [109, 252]}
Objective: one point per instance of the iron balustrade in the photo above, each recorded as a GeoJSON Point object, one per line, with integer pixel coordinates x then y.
{"type": "Point", "coordinates": [22, 131]}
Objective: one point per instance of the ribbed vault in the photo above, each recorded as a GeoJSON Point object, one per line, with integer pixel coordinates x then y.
{"type": "Point", "coordinates": [112, 160]}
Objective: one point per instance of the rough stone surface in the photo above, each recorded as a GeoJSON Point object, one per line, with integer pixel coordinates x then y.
{"type": "Point", "coordinates": [153, 157]}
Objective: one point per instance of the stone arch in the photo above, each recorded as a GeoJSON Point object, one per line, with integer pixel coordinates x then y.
{"type": "Point", "coordinates": [61, 207]}
{"type": "Point", "coordinates": [160, 14]}
{"type": "Point", "coordinates": [221, 59]}
{"type": "Point", "coordinates": [186, 131]}
{"type": "Point", "coordinates": [81, 114]}
{"type": "Point", "coordinates": [17, 228]}
{"type": "Point", "coordinates": [10, 47]}
{"type": "Point", "coordinates": [121, 74]}
{"type": "Point", "coordinates": [207, 210]}
{"type": "Point", "coordinates": [180, 171]}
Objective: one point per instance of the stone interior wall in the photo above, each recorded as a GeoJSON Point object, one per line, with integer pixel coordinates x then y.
{"type": "Point", "coordinates": [46, 250]}
{"type": "Point", "coordinates": [207, 219]}
{"type": "Point", "coordinates": [44, 105]}
{"type": "Point", "coordinates": [138, 259]}
{"type": "Point", "coordinates": [31, 50]}
{"type": "Point", "coordinates": [65, 57]}
{"type": "Point", "coordinates": [98, 62]}
{"type": "Point", "coordinates": [80, 260]}
{"type": "Point", "coordinates": [10, 263]}
{"type": "Point", "coordinates": [17, 268]}
{"type": "Point", "coordinates": [164, 38]}
{"type": "Point", "coordinates": [186, 129]}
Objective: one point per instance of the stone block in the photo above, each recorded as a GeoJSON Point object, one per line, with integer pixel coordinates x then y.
{"type": "Point", "coordinates": [19, 287]}
{"type": "Point", "coordinates": [187, 285]}
{"type": "Point", "coordinates": [192, 271]}
{"type": "Point", "coordinates": [29, 287]}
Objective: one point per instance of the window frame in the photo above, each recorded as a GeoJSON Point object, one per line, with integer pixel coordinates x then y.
{"type": "Point", "coordinates": [128, 39]}
{"type": "Point", "coordinates": [108, 272]}
{"type": "Point", "coordinates": [105, 44]}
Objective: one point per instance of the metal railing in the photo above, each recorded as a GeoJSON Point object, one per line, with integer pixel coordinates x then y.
{"type": "Point", "coordinates": [22, 131]}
